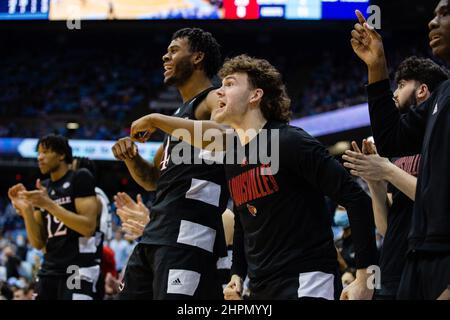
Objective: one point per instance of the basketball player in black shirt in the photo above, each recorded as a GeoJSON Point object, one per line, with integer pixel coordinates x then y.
{"type": "Point", "coordinates": [282, 238]}
{"type": "Point", "coordinates": [176, 257]}
{"type": "Point", "coordinates": [422, 129]}
{"type": "Point", "coordinates": [61, 218]}
{"type": "Point", "coordinates": [392, 185]}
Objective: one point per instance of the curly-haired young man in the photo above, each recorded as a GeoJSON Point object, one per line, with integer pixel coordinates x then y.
{"type": "Point", "coordinates": [283, 239]}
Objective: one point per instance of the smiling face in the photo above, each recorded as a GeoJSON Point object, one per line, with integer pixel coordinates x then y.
{"type": "Point", "coordinates": [178, 66]}
{"type": "Point", "coordinates": [440, 31]}
{"type": "Point", "coordinates": [234, 98]}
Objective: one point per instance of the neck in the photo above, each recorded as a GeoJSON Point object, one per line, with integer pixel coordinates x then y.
{"type": "Point", "coordinates": [197, 83]}
{"type": "Point", "coordinates": [419, 100]}
{"type": "Point", "coordinates": [250, 125]}
{"type": "Point", "coordinates": [59, 172]}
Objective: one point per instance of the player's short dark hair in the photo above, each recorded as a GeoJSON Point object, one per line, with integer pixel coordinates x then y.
{"type": "Point", "coordinates": [86, 163]}
{"type": "Point", "coordinates": [202, 41]}
{"type": "Point", "coordinates": [58, 144]}
{"type": "Point", "coordinates": [275, 103]}
{"type": "Point", "coordinates": [422, 70]}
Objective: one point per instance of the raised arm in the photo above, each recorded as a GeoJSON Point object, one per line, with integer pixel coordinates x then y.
{"type": "Point", "coordinates": [394, 134]}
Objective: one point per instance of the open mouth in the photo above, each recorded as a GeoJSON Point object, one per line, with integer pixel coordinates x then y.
{"type": "Point", "coordinates": [222, 104]}
{"type": "Point", "coordinates": [434, 39]}
{"type": "Point", "coordinates": [167, 69]}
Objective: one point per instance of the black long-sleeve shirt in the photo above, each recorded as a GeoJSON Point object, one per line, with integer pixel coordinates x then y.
{"type": "Point", "coordinates": [281, 219]}
{"type": "Point", "coordinates": [424, 129]}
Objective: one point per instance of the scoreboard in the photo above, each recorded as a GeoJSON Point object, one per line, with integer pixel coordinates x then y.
{"type": "Point", "coordinates": [180, 9]}
{"type": "Point", "coordinates": [24, 9]}
{"type": "Point", "coordinates": [294, 9]}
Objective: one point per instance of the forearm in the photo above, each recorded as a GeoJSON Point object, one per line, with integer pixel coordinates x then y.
{"type": "Point", "coordinates": [35, 230]}
{"type": "Point", "coordinates": [190, 131]}
{"type": "Point", "coordinates": [77, 222]}
{"type": "Point", "coordinates": [378, 71]}
{"type": "Point", "coordinates": [379, 205]}
{"type": "Point", "coordinates": [143, 172]}
{"type": "Point", "coordinates": [239, 266]}
{"type": "Point", "coordinates": [363, 230]}
{"type": "Point", "coordinates": [335, 182]}
{"type": "Point", "coordinates": [341, 261]}
{"type": "Point", "coordinates": [403, 181]}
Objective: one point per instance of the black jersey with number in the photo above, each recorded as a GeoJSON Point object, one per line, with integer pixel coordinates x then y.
{"type": "Point", "coordinates": [191, 195]}
{"type": "Point", "coordinates": [283, 225]}
{"type": "Point", "coordinates": [66, 247]}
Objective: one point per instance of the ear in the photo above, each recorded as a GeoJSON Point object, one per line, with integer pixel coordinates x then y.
{"type": "Point", "coordinates": [422, 91]}
{"type": "Point", "coordinates": [256, 95]}
{"type": "Point", "coordinates": [197, 57]}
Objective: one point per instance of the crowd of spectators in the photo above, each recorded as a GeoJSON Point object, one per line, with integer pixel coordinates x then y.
{"type": "Point", "coordinates": [105, 91]}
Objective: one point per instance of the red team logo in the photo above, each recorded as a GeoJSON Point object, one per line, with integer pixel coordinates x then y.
{"type": "Point", "coordinates": [252, 209]}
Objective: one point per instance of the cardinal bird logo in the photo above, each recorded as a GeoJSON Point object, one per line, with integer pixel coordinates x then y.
{"type": "Point", "coordinates": [252, 209]}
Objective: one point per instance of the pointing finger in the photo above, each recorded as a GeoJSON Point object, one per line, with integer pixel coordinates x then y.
{"type": "Point", "coordinates": [360, 16]}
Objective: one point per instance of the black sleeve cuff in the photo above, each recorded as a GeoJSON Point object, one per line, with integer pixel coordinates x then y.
{"type": "Point", "coordinates": [378, 88]}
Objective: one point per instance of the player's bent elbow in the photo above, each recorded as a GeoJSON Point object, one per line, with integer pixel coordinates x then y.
{"type": "Point", "coordinates": [148, 185]}
{"type": "Point", "coordinates": [88, 231]}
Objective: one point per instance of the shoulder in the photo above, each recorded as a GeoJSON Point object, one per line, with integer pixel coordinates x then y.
{"type": "Point", "coordinates": [82, 174]}
{"type": "Point", "coordinates": [296, 143]}
{"type": "Point", "coordinates": [295, 135]}
{"type": "Point", "coordinates": [210, 100]}
{"type": "Point", "coordinates": [445, 87]}
{"type": "Point", "coordinates": [206, 106]}
{"type": "Point", "coordinates": [83, 177]}
{"type": "Point", "coordinates": [442, 92]}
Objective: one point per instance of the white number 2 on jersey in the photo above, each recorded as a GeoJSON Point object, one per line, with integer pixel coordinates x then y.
{"type": "Point", "coordinates": [60, 231]}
